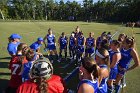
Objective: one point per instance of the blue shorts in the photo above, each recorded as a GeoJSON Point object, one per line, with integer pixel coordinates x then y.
{"type": "Point", "coordinates": [72, 48]}
{"type": "Point", "coordinates": [113, 73]}
{"type": "Point", "coordinates": [121, 71]}
{"type": "Point", "coordinates": [80, 49]}
{"type": "Point", "coordinates": [51, 47]}
{"type": "Point", "coordinates": [89, 50]}
{"type": "Point", "coordinates": [63, 47]}
{"type": "Point", "coordinates": [102, 89]}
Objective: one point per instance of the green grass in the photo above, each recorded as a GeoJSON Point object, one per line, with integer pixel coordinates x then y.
{"type": "Point", "coordinates": [30, 31]}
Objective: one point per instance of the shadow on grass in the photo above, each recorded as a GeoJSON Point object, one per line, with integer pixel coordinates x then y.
{"type": "Point", "coordinates": [137, 33]}
{"type": "Point", "coordinates": [85, 24]}
{"type": "Point", "coordinates": [4, 64]}
{"type": "Point", "coordinates": [3, 85]}
{"type": "Point", "coordinates": [6, 58]}
{"type": "Point", "coordinates": [3, 73]}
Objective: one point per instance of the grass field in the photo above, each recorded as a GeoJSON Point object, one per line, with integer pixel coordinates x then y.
{"type": "Point", "coordinates": [31, 30]}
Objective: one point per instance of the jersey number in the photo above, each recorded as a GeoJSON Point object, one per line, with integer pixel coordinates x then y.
{"type": "Point", "coordinates": [15, 67]}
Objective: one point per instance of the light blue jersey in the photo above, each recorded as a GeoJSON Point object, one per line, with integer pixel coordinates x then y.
{"type": "Point", "coordinates": [35, 46]}
{"type": "Point", "coordinates": [103, 86]}
{"type": "Point", "coordinates": [12, 48]}
{"type": "Point", "coordinates": [26, 70]}
{"type": "Point", "coordinates": [94, 84]}
{"type": "Point", "coordinates": [114, 70]}
{"type": "Point", "coordinates": [125, 60]}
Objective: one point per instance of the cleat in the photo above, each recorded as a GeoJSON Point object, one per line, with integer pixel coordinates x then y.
{"type": "Point", "coordinates": [123, 85]}
{"type": "Point", "coordinates": [59, 60]}
{"type": "Point", "coordinates": [51, 61]}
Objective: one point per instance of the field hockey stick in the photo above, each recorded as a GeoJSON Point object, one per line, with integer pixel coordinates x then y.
{"type": "Point", "coordinates": [117, 31]}
{"type": "Point", "coordinates": [122, 89]}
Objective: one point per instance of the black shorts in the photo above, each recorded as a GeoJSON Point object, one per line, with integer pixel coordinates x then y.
{"type": "Point", "coordinates": [10, 90]}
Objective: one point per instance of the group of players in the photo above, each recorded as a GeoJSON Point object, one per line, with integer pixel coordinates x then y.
{"type": "Point", "coordinates": [101, 74]}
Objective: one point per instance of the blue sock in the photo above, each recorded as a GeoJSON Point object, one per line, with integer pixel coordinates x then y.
{"type": "Point", "coordinates": [110, 89]}
{"type": "Point", "coordinates": [117, 88]}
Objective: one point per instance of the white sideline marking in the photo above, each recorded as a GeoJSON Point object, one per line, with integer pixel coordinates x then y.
{"type": "Point", "coordinates": [67, 65]}
{"type": "Point", "coordinates": [71, 73]}
{"type": "Point", "coordinates": [28, 33]}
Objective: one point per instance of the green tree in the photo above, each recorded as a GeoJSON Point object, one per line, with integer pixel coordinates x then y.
{"type": "Point", "coordinates": [3, 9]}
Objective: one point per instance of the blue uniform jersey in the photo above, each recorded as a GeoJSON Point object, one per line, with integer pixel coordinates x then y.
{"type": "Point", "coordinates": [76, 35]}
{"type": "Point", "coordinates": [94, 84]}
{"type": "Point", "coordinates": [26, 70]}
{"type": "Point", "coordinates": [126, 58]}
{"type": "Point", "coordinates": [63, 42]}
{"type": "Point", "coordinates": [103, 86]}
{"type": "Point", "coordinates": [51, 39]}
{"type": "Point", "coordinates": [90, 42]}
{"type": "Point", "coordinates": [35, 46]}
{"type": "Point", "coordinates": [12, 48]}
{"type": "Point", "coordinates": [89, 45]}
{"type": "Point", "coordinates": [80, 41]}
{"type": "Point", "coordinates": [72, 41]}
{"type": "Point", "coordinates": [111, 54]}
{"type": "Point", "coordinates": [114, 70]}
{"type": "Point", "coordinates": [51, 42]}
{"type": "Point", "coordinates": [98, 41]}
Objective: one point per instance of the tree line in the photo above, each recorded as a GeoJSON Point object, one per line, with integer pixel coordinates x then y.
{"type": "Point", "coordinates": [103, 10]}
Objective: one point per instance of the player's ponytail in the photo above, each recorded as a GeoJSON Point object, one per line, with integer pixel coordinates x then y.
{"type": "Point", "coordinates": [41, 71]}
{"type": "Point", "coordinates": [49, 29]}
{"type": "Point", "coordinates": [95, 71]}
{"type": "Point", "coordinates": [116, 43]}
{"type": "Point", "coordinates": [31, 56]}
{"type": "Point", "coordinates": [133, 42]}
{"type": "Point", "coordinates": [106, 60]}
{"type": "Point", "coordinates": [42, 84]}
{"type": "Point", "coordinates": [104, 55]}
{"type": "Point", "coordinates": [90, 65]}
{"type": "Point", "coordinates": [20, 48]}
{"type": "Point", "coordinates": [130, 41]}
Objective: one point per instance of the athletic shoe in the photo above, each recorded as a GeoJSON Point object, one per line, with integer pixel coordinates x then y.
{"type": "Point", "coordinates": [51, 61]}
{"type": "Point", "coordinates": [75, 57]}
{"type": "Point", "coordinates": [79, 60]}
{"type": "Point", "coordinates": [70, 57]}
{"type": "Point", "coordinates": [123, 85]}
{"type": "Point", "coordinates": [59, 60]}
{"type": "Point", "coordinates": [71, 91]}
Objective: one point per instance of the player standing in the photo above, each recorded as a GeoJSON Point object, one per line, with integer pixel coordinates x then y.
{"type": "Point", "coordinates": [115, 57]}
{"type": "Point", "coordinates": [14, 41]}
{"type": "Point", "coordinates": [128, 53]}
{"type": "Point", "coordinates": [51, 44]}
{"type": "Point", "coordinates": [90, 44]}
{"type": "Point", "coordinates": [62, 41]}
{"type": "Point", "coordinates": [72, 41]}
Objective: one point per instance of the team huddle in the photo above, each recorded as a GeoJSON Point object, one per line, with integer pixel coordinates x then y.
{"type": "Point", "coordinates": [102, 62]}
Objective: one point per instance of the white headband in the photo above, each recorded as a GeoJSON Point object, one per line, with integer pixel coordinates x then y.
{"type": "Point", "coordinates": [98, 54]}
